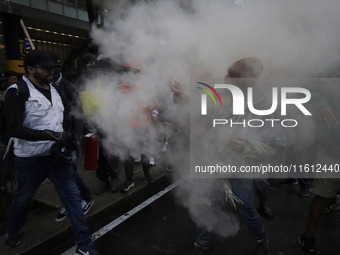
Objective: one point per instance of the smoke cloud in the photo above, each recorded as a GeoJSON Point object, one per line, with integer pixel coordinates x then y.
{"type": "Point", "coordinates": [169, 39]}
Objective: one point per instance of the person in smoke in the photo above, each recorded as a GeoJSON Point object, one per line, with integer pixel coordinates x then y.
{"type": "Point", "coordinates": [245, 147]}
{"type": "Point", "coordinates": [142, 124]}
{"type": "Point", "coordinates": [107, 171]}
{"type": "Point", "coordinates": [326, 108]}
{"type": "Point", "coordinates": [73, 125]}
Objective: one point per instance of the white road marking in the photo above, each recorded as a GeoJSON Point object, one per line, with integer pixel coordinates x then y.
{"type": "Point", "coordinates": [124, 217]}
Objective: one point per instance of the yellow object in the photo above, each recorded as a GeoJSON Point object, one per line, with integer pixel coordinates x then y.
{"type": "Point", "coordinates": [15, 65]}
{"type": "Point", "coordinates": [90, 102]}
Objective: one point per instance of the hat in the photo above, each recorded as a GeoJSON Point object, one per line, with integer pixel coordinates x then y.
{"type": "Point", "coordinates": [38, 57]}
{"type": "Point", "coordinates": [6, 74]}
{"type": "Point", "coordinates": [87, 58]}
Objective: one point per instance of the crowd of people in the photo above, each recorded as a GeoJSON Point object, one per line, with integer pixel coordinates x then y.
{"type": "Point", "coordinates": [46, 119]}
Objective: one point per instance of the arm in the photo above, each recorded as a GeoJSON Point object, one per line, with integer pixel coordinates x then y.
{"type": "Point", "coordinates": [251, 148]}
{"type": "Point", "coordinates": [77, 113]}
{"type": "Point", "coordinates": [73, 112]}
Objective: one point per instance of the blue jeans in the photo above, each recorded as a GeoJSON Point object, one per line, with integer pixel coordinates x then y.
{"type": "Point", "coordinates": [85, 192]}
{"type": "Point", "coordinates": [304, 183]}
{"type": "Point", "coordinates": [31, 172]}
{"type": "Point", "coordinates": [244, 190]}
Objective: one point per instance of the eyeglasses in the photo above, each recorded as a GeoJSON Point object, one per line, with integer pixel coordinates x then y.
{"type": "Point", "coordinates": [45, 68]}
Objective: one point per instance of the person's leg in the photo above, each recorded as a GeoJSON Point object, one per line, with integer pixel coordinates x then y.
{"type": "Point", "coordinates": [307, 240]}
{"type": "Point", "coordinates": [63, 177]}
{"type": "Point", "coordinates": [261, 186]}
{"type": "Point", "coordinates": [113, 172]}
{"type": "Point", "coordinates": [85, 192]}
{"type": "Point", "coordinates": [305, 187]}
{"type": "Point", "coordinates": [317, 208]}
{"type": "Point", "coordinates": [203, 239]}
{"type": "Point", "coordinates": [334, 205]}
{"type": "Point", "coordinates": [243, 189]}
{"type": "Point", "coordinates": [128, 167]}
{"type": "Point", "coordinates": [325, 190]}
{"type": "Point", "coordinates": [30, 174]}
{"type": "Point", "coordinates": [101, 172]}
{"type": "Point", "coordinates": [146, 168]}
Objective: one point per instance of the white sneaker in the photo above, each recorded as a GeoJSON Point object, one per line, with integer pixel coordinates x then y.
{"type": "Point", "coordinates": [152, 161]}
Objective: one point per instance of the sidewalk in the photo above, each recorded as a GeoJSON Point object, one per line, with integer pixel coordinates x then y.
{"type": "Point", "coordinates": [43, 235]}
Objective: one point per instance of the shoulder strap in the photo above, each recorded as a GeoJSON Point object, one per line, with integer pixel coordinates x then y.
{"type": "Point", "coordinates": [23, 89]}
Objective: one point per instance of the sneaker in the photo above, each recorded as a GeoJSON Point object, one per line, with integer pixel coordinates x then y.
{"type": "Point", "coordinates": [169, 169]}
{"type": "Point", "coordinates": [307, 244]}
{"type": "Point", "coordinates": [266, 212]}
{"type": "Point", "coordinates": [289, 181]}
{"type": "Point", "coordinates": [127, 186]}
{"type": "Point", "coordinates": [332, 207]}
{"type": "Point", "coordinates": [152, 161]}
{"type": "Point", "coordinates": [262, 247]}
{"type": "Point", "coordinates": [61, 215]}
{"type": "Point", "coordinates": [12, 241]}
{"type": "Point", "coordinates": [304, 193]}
{"type": "Point", "coordinates": [199, 250]}
{"type": "Point", "coordinates": [148, 179]}
{"type": "Point", "coordinates": [87, 205]}
{"type": "Point", "coordinates": [164, 147]}
{"type": "Point", "coordinates": [91, 250]}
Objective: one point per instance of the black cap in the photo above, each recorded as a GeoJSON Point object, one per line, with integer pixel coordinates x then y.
{"type": "Point", "coordinates": [87, 58]}
{"type": "Point", "coordinates": [38, 57]}
{"type": "Point", "coordinates": [6, 74]}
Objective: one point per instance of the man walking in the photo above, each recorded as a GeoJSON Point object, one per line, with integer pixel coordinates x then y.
{"type": "Point", "coordinates": [34, 119]}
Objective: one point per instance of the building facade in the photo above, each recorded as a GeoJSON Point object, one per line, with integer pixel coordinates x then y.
{"type": "Point", "coordinates": [56, 26]}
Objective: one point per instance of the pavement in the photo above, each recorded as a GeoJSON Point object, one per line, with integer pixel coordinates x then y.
{"type": "Point", "coordinates": [43, 235]}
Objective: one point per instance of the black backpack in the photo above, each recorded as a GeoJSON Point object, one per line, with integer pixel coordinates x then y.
{"type": "Point", "coordinates": [22, 89]}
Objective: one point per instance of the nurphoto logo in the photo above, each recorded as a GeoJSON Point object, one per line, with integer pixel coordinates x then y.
{"type": "Point", "coordinates": [239, 106]}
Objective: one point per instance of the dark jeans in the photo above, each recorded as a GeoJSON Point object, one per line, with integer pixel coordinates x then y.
{"type": "Point", "coordinates": [304, 183]}
{"type": "Point", "coordinates": [107, 165]}
{"type": "Point", "coordinates": [244, 190]}
{"type": "Point", "coordinates": [300, 154]}
{"type": "Point", "coordinates": [85, 192]}
{"type": "Point", "coordinates": [129, 164]}
{"type": "Point", "coordinates": [31, 172]}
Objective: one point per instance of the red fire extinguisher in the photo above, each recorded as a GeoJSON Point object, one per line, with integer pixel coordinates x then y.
{"type": "Point", "coordinates": [91, 151]}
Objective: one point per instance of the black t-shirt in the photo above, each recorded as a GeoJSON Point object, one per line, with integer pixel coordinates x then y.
{"type": "Point", "coordinates": [45, 92]}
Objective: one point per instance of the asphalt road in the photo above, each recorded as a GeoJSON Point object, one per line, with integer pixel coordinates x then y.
{"type": "Point", "coordinates": [165, 228]}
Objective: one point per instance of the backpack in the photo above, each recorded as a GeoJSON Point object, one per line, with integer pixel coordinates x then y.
{"type": "Point", "coordinates": [24, 91]}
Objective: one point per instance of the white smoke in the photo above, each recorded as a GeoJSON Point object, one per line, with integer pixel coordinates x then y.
{"type": "Point", "coordinates": [168, 39]}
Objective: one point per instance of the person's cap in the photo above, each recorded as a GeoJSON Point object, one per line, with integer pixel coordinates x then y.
{"type": "Point", "coordinates": [6, 74]}
{"type": "Point", "coordinates": [87, 58]}
{"type": "Point", "coordinates": [43, 58]}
